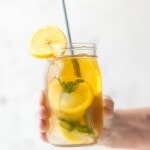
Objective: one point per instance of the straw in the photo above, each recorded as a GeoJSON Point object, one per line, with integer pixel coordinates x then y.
{"type": "Point", "coordinates": [75, 63]}
{"type": "Point", "coordinates": [67, 24]}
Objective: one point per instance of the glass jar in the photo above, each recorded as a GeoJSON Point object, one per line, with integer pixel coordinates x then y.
{"type": "Point", "coordinates": [73, 89]}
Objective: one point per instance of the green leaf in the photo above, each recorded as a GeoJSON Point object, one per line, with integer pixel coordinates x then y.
{"type": "Point", "coordinates": [70, 86]}
{"type": "Point", "coordinates": [74, 126]}
{"type": "Point", "coordinates": [84, 129]}
{"type": "Point", "coordinates": [66, 124]}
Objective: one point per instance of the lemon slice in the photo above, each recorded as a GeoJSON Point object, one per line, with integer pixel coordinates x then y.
{"type": "Point", "coordinates": [47, 41]}
{"type": "Point", "coordinates": [74, 136]}
{"type": "Point", "coordinates": [75, 102]}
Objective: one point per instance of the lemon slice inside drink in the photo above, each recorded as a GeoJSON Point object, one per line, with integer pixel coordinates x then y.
{"type": "Point", "coordinates": [73, 135]}
{"type": "Point", "coordinates": [76, 137]}
{"type": "Point", "coordinates": [73, 103]}
{"type": "Point", "coordinates": [47, 41]}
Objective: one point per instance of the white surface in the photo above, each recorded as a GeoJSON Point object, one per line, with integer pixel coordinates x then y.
{"type": "Point", "coordinates": [119, 27]}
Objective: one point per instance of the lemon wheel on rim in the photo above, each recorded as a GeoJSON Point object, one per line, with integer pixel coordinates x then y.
{"type": "Point", "coordinates": [47, 41]}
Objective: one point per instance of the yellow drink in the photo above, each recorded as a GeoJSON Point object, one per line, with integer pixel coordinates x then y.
{"type": "Point", "coordinates": [74, 100]}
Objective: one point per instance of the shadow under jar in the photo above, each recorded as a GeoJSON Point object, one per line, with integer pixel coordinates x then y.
{"type": "Point", "coordinates": [73, 92]}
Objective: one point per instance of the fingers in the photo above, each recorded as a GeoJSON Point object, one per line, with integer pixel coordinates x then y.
{"type": "Point", "coordinates": [42, 126]}
{"type": "Point", "coordinates": [41, 112]}
{"type": "Point", "coordinates": [41, 115]}
{"type": "Point", "coordinates": [43, 137]}
{"type": "Point", "coordinates": [108, 107]}
{"type": "Point", "coordinates": [40, 102]}
{"type": "Point", "coordinates": [40, 98]}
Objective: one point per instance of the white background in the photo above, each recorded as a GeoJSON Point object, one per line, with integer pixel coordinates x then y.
{"type": "Point", "coordinates": [121, 30]}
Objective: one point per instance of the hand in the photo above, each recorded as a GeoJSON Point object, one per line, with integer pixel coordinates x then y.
{"type": "Point", "coordinates": [41, 114]}
{"type": "Point", "coordinates": [123, 128]}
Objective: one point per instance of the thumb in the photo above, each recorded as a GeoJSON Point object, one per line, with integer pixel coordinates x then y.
{"type": "Point", "coordinates": [108, 106]}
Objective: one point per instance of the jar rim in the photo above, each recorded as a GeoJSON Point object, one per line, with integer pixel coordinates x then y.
{"type": "Point", "coordinates": [73, 46]}
{"type": "Point", "coordinates": [74, 50]}
{"type": "Point", "coordinates": [79, 45]}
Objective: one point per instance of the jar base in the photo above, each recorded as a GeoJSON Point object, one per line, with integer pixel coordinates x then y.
{"type": "Point", "coordinates": [74, 145]}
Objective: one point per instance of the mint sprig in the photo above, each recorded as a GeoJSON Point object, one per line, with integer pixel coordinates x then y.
{"type": "Point", "coordinates": [70, 86]}
{"type": "Point", "coordinates": [74, 126]}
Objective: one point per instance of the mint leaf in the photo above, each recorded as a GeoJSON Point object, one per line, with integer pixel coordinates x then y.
{"type": "Point", "coordinates": [70, 86]}
{"type": "Point", "coordinates": [74, 126]}
{"type": "Point", "coordinates": [67, 124]}
{"type": "Point", "coordinates": [84, 129]}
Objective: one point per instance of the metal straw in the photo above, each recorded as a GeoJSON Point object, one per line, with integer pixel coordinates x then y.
{"type": "Point", "coordinates": [67, 24]}
{"type": "Point", "coordinates": [75, 63]}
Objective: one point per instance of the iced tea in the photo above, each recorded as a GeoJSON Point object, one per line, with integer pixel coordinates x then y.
{"type": "Point", "coordinates": [74, 99]}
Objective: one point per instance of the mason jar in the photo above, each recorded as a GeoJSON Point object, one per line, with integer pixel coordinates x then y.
{"type": "Point", "coordinates": [73, 89]}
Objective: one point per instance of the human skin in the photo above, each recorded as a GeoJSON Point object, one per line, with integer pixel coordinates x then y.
{"type": "Point", "coordinates": [129, 128]}
{"type": "Point", "coordinates": [123, 128]}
